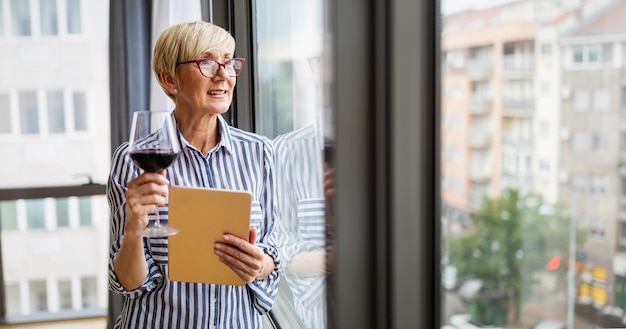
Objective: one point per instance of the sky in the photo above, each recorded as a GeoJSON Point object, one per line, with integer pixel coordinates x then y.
{"type": "Point", "coordinates": [454, 6]}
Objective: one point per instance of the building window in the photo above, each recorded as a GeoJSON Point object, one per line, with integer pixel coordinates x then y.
{"type": "Point", "coordinates": [35, 214]}
{"type": "Point", "coordinates": [600, 100]}
{"type": "Point", "coordinates": [65, 294]}
{"type": "Point", "coordinates": [5, 114]}
{"type": "Point", "coordinates": [29, 114]}
{"type": "Point", "coordinates": [592, 54]}
{"type": "Point", "coordinates": [598, 142]}
{"type": "Point", "coordinates": [598, 185]}
{"type": "Point", "coordinates": [579, 142]}
{"type": "Point", "coordinates": [580, 100]}
{"type": "Point", "coordinates": [74, 25]}
{"type": "Point", "coordinates": [38, 296]}
{"type": "Point", "coordinates": [89, 292]}
{"type": "Point", "coordinates": [62, 212]}
{"type": "Point", "coordinates": [578, 184]}
{"type": "Point", "coordinates": [84, 211]}
{"type": "Point", "coordinates": [8, 216]}
{"type": "Point", "coordinates": [20, 17]}
{"type": "Point", "coordinates": [56, 112]}
{"type": "Point", "coordinates": [48, 17]}
{"type": "Point", "coordinates": [80, 111]}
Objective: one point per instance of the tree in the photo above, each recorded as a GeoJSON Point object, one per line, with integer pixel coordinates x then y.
{"type": "Point", "coordinates": [514, 237]}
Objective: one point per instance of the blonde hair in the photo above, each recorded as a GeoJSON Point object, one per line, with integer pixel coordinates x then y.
{"type": "Point", "coordinates": [184, 42]}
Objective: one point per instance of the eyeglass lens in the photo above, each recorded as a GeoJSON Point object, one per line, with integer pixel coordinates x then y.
{"type": "Point", "coordinates": [210, 67]}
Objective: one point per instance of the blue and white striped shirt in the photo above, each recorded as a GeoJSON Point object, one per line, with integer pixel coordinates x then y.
{"type": "Point", "coordinates": [301, 217]}
{"type": "Point", "coordinates": [241, 161]}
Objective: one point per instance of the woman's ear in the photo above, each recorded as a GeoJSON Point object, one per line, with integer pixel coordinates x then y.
{"type": "Point", "coordinates": [168, 81]}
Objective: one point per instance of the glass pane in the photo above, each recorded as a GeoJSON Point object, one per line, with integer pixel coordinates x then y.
{"type": "Point", "coordinates": [35, 214]}
{"type": "Point", "coordinates": [533, 182]}
{"type": "Point", "coordinates": [49, 17]}
{"type": "Point", "coordinates": [80, 112]}
{"type": "Point", "coordinates": [56, 112]}
{"type": "Point", "coordinates": [20, 17]}
{"type": "Point", "coordinates": [63, 214]}
{"type": "Point", "coordinates": [29, 112]}
{"type": "Point", "coordinates": [74, 25]}
{"type": "Point", "coordinates": [8, 216]}
{"type": "Point", "coordinates": [84, 211]}
{"type": "Point", "coordinates": [291, 110]}
{"type": "Point", "coordinates": [37, 296]}
{"type": "Point", "coordinates": [65, 294]}
{"type": "Point", "coordinates": [5, 113]}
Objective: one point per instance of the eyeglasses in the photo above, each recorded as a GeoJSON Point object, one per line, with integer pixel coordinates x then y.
{"type": "Point", "coordinates": [209, 68]}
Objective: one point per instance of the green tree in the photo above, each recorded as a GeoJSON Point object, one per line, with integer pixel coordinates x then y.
{"type": "Point", "coordinates": [514, 237]}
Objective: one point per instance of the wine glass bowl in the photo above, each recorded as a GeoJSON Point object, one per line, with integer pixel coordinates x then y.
{"type": "Point", "coordinates": [153, 145]}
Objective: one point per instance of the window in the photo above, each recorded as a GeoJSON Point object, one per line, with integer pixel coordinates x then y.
{"type": "Point", "coordinates": [65, 294]}
{"type": "Point", "coordinates": [58, 86]}
{"type": "Point", "coordinates": [20, 17]}
{"type": "Point", "coordinates": [80, 112]}
{"type": "Point", "coordinates": [29, 112]}
{"type": "Point", "coordinates": [598, 142]}
{"type": "Point", "coordinates": [35, 214]}
{"type": "Point", "coordinates": [579, 142]}
{"type": "Point", "coordinates": [84, 211]}
{"type": "Point", "coordinates": [598, 185]}
{"type": "Point", "coordinates": [8, 216]}
{"type": "Point", "coordinates": [5, 113]}
{"type": "Point", "coordinates": [38, 296]}
{"type": "Point", "coordinates": [62, 212]}
{"type": "Point", "coordinates": [56, 112]}
{"type": "Point", "coordinates": [600, 100]}
{"type": "Point", "coordinates": [48, 15]}
{"type": "Point", "coordinates": [291, 110]}
{"type": "Point", "coordinates": [581, 100]}
{"type": "Point", "coordinates": [74, 25]}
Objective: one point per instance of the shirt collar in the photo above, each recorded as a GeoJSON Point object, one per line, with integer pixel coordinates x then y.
{"type": "Point", "coordinates": [223, 130]}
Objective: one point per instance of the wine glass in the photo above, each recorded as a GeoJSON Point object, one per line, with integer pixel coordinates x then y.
{"type": "Point", "coordinates": [153, 145]}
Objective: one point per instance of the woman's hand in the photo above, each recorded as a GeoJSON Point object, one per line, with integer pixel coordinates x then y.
{"type": "Point", "coordinates": [244, 257]}
{"type": "Point", "coordinates": [144, 195]}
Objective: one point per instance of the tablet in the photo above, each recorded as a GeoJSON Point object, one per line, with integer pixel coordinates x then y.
{"type": "Point", "coordinates": [203, 216]}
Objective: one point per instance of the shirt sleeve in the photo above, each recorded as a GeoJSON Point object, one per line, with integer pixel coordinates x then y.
{"type": "Point", "coordinates": [265, 290]}
{"type": "Point", "coordinates": [122, 171]}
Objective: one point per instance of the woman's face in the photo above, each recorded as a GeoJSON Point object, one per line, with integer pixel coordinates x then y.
{"type": "Point", "coordinates": [197, 93]}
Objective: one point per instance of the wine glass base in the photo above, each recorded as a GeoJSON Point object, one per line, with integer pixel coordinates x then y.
{"type": "Point", "coordinates": [160, 231]}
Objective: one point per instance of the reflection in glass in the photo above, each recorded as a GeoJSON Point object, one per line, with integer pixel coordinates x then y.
{"type": "Point", "coordinates": [291, 111]}
{"type": "Point", "coordinates": [532, 163]}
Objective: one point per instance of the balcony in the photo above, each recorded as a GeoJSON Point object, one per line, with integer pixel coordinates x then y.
{"type": "Point", "coordinates": [518, 107]}
{"type": "Point", "coordinates": [479, 69]}
{"type": "Point", "coordinates": [480, 105]}
{"type": "Point", "coordinates": [518, 66]}
{"type": "Point", "coordinates": [479, 138]}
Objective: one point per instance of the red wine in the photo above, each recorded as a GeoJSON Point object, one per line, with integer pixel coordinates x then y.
{"type": "Point", "coordinates": [153, 160]}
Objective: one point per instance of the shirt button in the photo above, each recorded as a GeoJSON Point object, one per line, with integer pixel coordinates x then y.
{"type": "Point", "coordinates": [213, 299]}
{"type": "Point", "coordinates": [212, 327]}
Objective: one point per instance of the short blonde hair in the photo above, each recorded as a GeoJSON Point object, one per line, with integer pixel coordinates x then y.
{"type": "Point", "coordinates": [184, 42]}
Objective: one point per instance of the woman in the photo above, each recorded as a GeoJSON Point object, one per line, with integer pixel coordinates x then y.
{"type": "Point", "coordinates": [195, 65]}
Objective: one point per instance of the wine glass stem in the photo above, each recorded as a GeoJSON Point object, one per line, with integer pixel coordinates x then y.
{"type": "Point", "coordinates": [157, 218]}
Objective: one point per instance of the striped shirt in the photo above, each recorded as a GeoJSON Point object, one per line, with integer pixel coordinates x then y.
{"type": "Point", "coordinates": [301, 216]}
{"type": "Point", "coordinates": [241, 161]}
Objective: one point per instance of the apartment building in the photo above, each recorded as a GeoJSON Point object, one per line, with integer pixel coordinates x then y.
{"type": "Point", "coordinates": [54, 131]}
